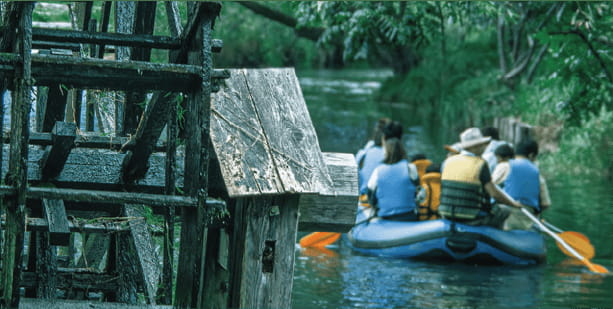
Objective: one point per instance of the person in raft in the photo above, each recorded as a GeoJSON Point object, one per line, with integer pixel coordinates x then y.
{"type": "Point", "coordinates": [504, 153]}
{"type": "Point", "coordinates": [466, 185]}
{"type": "Point", "coordinates": [393, 184]}
{"type": "Point", "coordinates": [369, 157]}
{"type": "Point", "coordinates": [525, 184]}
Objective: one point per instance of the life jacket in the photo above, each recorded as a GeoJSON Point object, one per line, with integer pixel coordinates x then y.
{"type": "Point", "coordinates": [523, 184]}
{"type": "Point", "coordinates": [428, 206]}
{"type": "Point", "coordinates": [395, 191]}
{"type": "Point", "coordinates": [462, 193]}
{"type": "Point", "coordinates": [421, 165]}
{"type": "Point", "coordinates": [371, 158]}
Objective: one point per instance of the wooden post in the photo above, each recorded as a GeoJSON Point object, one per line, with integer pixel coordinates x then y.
{"type": "Point", "coordinates": [124, 23]}
{"type": "Point", "coordinates": [90, 97]}
{"type": "Point", "coordinates": [17, 174]}
{"type": "Point", "coordinates": [262, 255]}
{"type": "Point", "coordinates": [190, 275]}
{"type": "Point", "coordinates": [52, 162]}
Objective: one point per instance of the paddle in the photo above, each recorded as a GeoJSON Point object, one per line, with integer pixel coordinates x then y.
{"type": "Point", "coordinates": [591, 266]}
{"type": "Point", "coordinates": [319, 239]}
{"type": "Point", "coordinates": [576, 240]}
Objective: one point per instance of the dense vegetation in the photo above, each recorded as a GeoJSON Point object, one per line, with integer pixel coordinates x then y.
{"type": "Point", "coordinates": [463, 63]}
{"type": "Point", "coordinates": [456, 64]}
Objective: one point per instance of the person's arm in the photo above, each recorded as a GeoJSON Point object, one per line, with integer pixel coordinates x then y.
{"type": "Point", "coordinates": [500, 195]}
{"type": "Point", "coordinates": [545, 199]}
{"type": "Point", "coordinates": [372, 187]}
{"type": "Point", "coordinates": [413, 174]}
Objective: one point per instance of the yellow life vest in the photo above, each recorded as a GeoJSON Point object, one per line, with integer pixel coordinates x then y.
{"type": "Point", "coordinates": [462, 193]}
{"type": "Point", "coordinates": [421, 165]}
{"type": "Point", "coordinates": [428, 208]}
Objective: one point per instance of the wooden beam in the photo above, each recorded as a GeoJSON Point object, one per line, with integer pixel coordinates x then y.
{"type": "Point", "coordinates": [333, 212]}
{"type": "Point", "coordinates": [77, 280]}
{"type": "Point", "coordinates": [192, 257]}
{"type": "Point", "coordinates": [15, 207]}
{"type": "Point", "coordinates": [147, 260]}
{"type": "Point", "coordinates": [31, 303]}
{"type": "Point", "coordinates": [82, 140]}
{"type": "Point", "coordinates": [104, 25]}
{"type": "Point", "coordinates": [262, 255]}
{"type": "Point", "coordinates": [108, 74]}
{"type": "Point", "coordinates": [59, 230]}
{"type": "Point", "coordinates": [52, 162]}
{"type": "Point", "coordinates": [55, 107]}
{"type": "Point", "coordinates": [77, 226]}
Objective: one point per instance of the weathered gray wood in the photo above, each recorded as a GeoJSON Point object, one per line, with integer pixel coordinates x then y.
{"type": "Point", "coordinates": [85, 141]}
{"type": "Point", "coordinates": [14, 207]}
{"type": "Point", "coordinates": [174, 18]}
{"type": "Point", "coordinates": [108, 197]}
{"type": "Point", "coordinates": [120, 264]}
{"type": "Point", "coordinates": [95, 168]}
{"type": "Point", "coordinates": [192, 255]}
{"type": "Point", "coordinates": [104, 25]}
{"type": "Point", "coordinates": [142, 144]}
{"type": "Point", "coordinates": [333, 212]}
{"type": "Point", "coordinates": [59, 230]}
{"type": "Point", "coordinates": [54, 158]}
{"type": "Point", "coordinates": [90, 97]}
{"type": "Point", "coordinates": [81, 226]}
{"type": "Point", "coordinates": [108, 74]}
{"type": "Point", "coordinates": [29, 303]}
{"type": "Point", "coordinates": [145, 251]}
{"type": "Point", "coordinates": [263, 135]}
{"type": "Point", "coordinates": [262, 255]}
{"type": "Point", "coordinates": [46, 266]}
{"type": "Point", "coordinates": [92, 281]}
{"type": "Point", "coordinates": [94, 248]}
{"type": "Point", "coordinates": [55, 107]}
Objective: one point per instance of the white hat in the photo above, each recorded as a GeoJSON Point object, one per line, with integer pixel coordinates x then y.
{"type": "Point", "coordinates": [472, 137]}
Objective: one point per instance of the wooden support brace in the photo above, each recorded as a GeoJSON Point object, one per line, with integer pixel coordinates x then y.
{"type": "Point", "coordinates": [52, 162]}
{"type": "Point", "coordinates": [76, 226]}
{"type": "Point", "coordinates": [59, 230]}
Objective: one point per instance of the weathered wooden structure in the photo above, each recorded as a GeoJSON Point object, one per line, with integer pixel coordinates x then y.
{"type": "Point", "coordinates": [249, 175]}
{"type": "Point", "coordinates": [513, 130]}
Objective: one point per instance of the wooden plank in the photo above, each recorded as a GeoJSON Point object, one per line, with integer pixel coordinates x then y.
{"type": "Point", "coordinates": [99, 168]}
{"type": "Point", "coordinates": [46, 266]}
{"type": "Point", "coordinates": [55, 107]}
{"type": "Point", "coordinates": [15, 207]}
{"type": "Point", "coordinates": [149, 270]}
{"type": "Point", "coordinates": [239, 141]}
{"type": "Point", "coordinates": [59, 230]}
{"type": "Point", "coordinates": [333, 212]}
{"type": "Point", "coordinates": [91, 281]}
{"type": "Point", "coordinates": [263, 111]}
{"type": "Point", "coordinates": [289, 130]}
{"type": "Point", "coordinates": [262, 255]}
{"type": "Point", "coordinates": [104, 25]}
{"type": "Point", "coordinates": [82, 140]}
{"type": "Point", "coordinates": [189, 291]}
{"type": "Point", "coordinates": [54, 158]}
{"type": "Point", "coordinates": [79, 226]}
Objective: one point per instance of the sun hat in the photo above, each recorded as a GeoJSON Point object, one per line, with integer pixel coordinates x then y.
{"type": "Point", "coordinates": [472, 137]}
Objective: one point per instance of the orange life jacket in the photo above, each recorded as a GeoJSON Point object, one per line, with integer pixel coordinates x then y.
{"type": "Point", "coordinates": [422, 165]}
{"type": "Point", "coordinates": [428, 208]}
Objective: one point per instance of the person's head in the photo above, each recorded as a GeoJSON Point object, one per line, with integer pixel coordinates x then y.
{"type": "Point", "coordinates": [394, 151]}
{"type": "Point", "coordinates": [377, 133]}
{"type": "Point", "coordinates": [392, 129]}
{"type": "Point", "coordinates": [504, 152]}
{"type": "Point", "coordinates": [491, 132]}
{"type": "Point", "coordinates": [473, 141]}
{"type": "Point", "coordinates": [433, 168]}
{"type": "Point", "coordinates": [419, 156]}
{"type": "Point", "coordinates": [527, 148]}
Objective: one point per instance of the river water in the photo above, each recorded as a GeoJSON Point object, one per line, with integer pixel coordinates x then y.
{"type": "Point", "coordinates": [343, 110]}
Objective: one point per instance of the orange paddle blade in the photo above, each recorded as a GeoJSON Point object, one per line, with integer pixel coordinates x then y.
{"type": "Point", "coordinates": [319, 239]}
{"type": "Point", "coordinates": [595, 268]}
{"type": "Point", "coordinates": [579, 242]}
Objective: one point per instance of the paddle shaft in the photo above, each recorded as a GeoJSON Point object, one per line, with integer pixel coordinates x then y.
{"type": "Point", "coordinates": [552, 234]}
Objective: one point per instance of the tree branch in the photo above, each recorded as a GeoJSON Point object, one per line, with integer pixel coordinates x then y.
{"type": "Point", "coordinates": [311, 33]}
{"type": "Point", "coordinates": [593, 50]}
{"type": "Point", "coordinates": [535, 63]}
{"type": "Point", "coordinates": [502, 60]}
{"type": "Point", "coordinates": [523, 63]}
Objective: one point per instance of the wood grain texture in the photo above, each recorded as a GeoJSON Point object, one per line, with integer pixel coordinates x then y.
{"type": "Point", "coordinates": [263, 135]}
{"type": "Point", "coordinates": [333, 212]}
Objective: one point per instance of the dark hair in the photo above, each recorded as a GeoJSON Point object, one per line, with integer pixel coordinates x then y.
{"type": "Point", "coordinates": [392, 129]}
{"type": "Point", "coordinates": [527, 147]}
{"type": "Point", "coordinates": [377, 133]}
{"type": "Point", "coordinates": [491, 132]}
{"type": "Point", "coordinates": [505, 151]}
{"type": "Point", "coordinates": [433, 168]}
{"type": "Point", "coordinates": [418, 156]}
{"type": "Point", "coordinates": [394, 151]}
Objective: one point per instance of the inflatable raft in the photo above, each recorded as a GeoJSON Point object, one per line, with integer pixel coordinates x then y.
{"type": "Point", "coordinates": [445, 240]}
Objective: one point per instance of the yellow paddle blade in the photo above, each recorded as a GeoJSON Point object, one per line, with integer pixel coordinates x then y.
{"type": "Point", "coordinates": [319, 239]}
{"type": "Point", "coordinates": [579, 242]}
{"type": "Point", "coordinates": [595, 268]}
